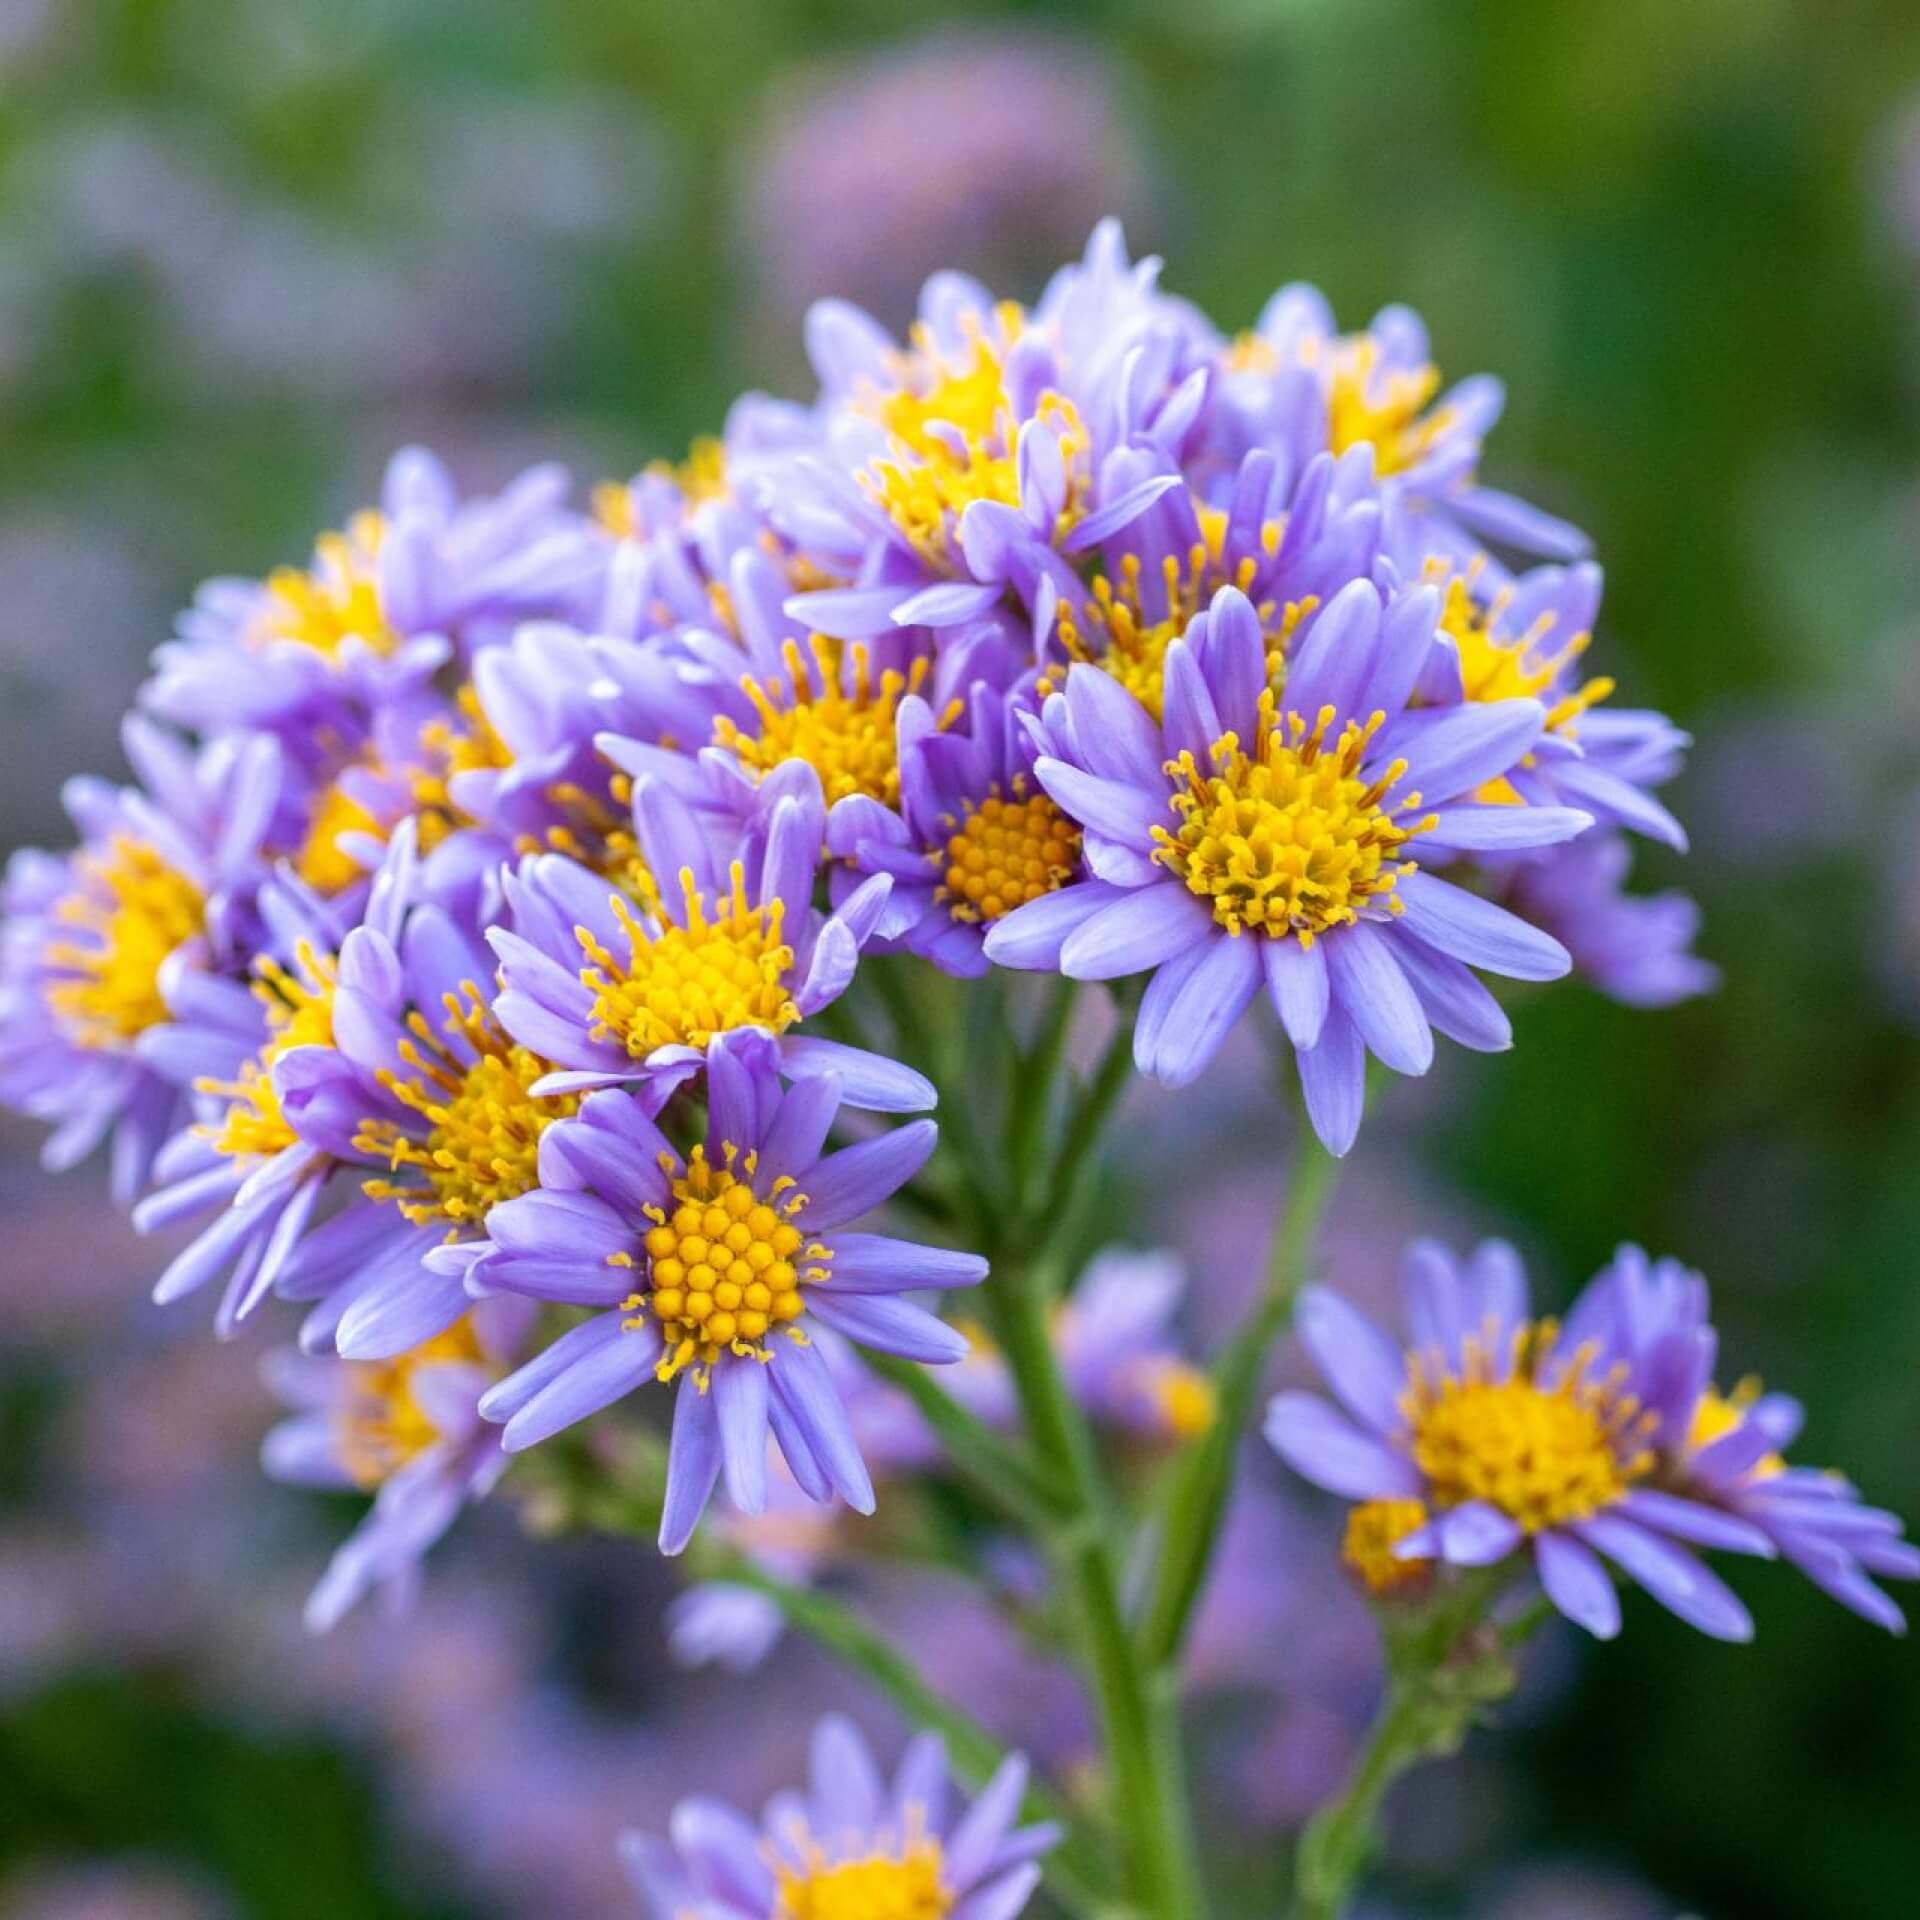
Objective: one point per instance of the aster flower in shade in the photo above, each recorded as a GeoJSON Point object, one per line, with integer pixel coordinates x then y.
{"type": "Point", "coordinates": [1636, 948]}
{"type": "Point", "coordinates": [1495, 1436]}
{"type": "Point", "coordinates": [621, 985]}
{"type": "Point", "coordinates": [853, 1843]}
{"type": "Point", "coordinates": [1724, 1450]}
{"type": "Point", "coordinates": [706, 1268]}
{"type": "Point", "coordinates": [1249, 839]}
{"type": "Point", "coordinates": [406, 1429]}
{"type": "Point", "coordinates": [163, 882]}
{"type": "Point", "coordinates": [425, 577]}
{"type": "Point", "coordinates": [1297, 383]}
{"type": "Point", "coordinates": [969, 836]}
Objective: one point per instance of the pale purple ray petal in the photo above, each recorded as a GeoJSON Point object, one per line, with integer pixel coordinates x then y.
{"type": "Point", "coordinates": [740, 1402]}
{"type": "Point", "coordinates": [693, 1463]}
{"type": "Point", "coordinates": [848, 1795]}
{"type": "Point", "coordinates": [891, 1325]}
{"type": "Point", "coordinates": [1204, 1008]}
{"type": "Point", "coordinates": [1377, 997]}
{"type": "Point", "coordinates": [1325, 1447]}
{"type": "Point", "coordinates": [1476, 931]}
{"type": "Point", "coordinates": [971, 1847]}
{"type": "Point", "coordinates": [801, 1380]}
{"type": "Point", "coordinates": [866, 1080]}
{"type": "Point", "coordinates": [1139, 930]}
{"type": "Point", "coordinates": [1333, 1077]}
{"type": "Point", "coordinates": [1123, 813]}
{"type": "Point", "coordinates": [876, 1263]}
{"type": "Point", "coordinates": [597, 1374]}
{"type": "Point", "coordinates": [1673, 1576]}
{"type": "Point", "coordinates": [1297, 985]}
{"type": "Point", "coordinates": [1699, 1525]}
{"type": "Point", "coordinates": [1031, 937]}
{"type": "Point", "coordinates": [1366, 1371]}
{"type": "Point", "coordinates": [1577, 1584]}
{"type": "Point", "coordinates": [855, 1180]}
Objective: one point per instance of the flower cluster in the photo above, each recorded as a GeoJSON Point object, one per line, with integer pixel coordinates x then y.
{"type": "Point", "coordinates": [519, 940]}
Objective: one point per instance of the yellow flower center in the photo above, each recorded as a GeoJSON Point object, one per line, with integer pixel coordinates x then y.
{"type": "Point", "coordinates": [1290, 839]}
{"type": "Point", "coordinates": [1493, 667]}
{"type": "Point", "coordinates": [1121, 637]}
{"type": "Point", "coordinates": [690, 982]}
{"type": "Point", "coordinates": [954, 431]}
{"type": "Point", "coordinates": [1374, 1529]}
{"type": "Point", "coordinates": [1385, 410]}
{"type": "Point", "coordinates": [380, 1426]}
{"type": "Point", "coordinates": [338, 598]}
{"type": "Point", "coordinates": [482, 1142]}
{"type": "Point", "coordinates": [1006, 852]}
{"type": "Point", "coordinates": [725, 1264]}
{"type": "Point", "coordinates": [884, 1886]}
{"type": "Point", "coordinates": [1542, 1454]}
{"type": "Point", "coordinates": [321, 861]}
{"type": "Point", "coordinates": [299, 1005]}
{"type": "Point", "coordinates": [1182, 1396]}
{"type": "Point", "coordinates": [129, 911]}
{"type": "Point", "coordinates": [848, 738]}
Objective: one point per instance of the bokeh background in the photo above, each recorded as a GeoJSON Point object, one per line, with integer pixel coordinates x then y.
{"type": "Point", "coordinates": [246, 249]}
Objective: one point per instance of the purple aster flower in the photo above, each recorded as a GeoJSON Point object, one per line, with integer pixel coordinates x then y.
{"type": "Point", "coordinates": [706, 1266]}
{"type": "Point", "coordinates": [1495, 1436]}
{"type": "Point", "coordinates": [991, 449]}
{"type": "Point", "coordinates": [1249, 838]}
{"type": "Point", "coordinates": [970, 838]}
{"type": "Point", "coordinates": [420, 1084]}
{"type": "Point", "coordinates": [163, 883]}
{"type": "Point", "coordinates": [424, 578]}
{"type": "Point", "coordinates": [406, 1429]}
{"type": "Point", "coordinates": [1636, 948]}
{"type": "Point", "coordinates": [630, 983]}
{"type": "Point", "coordinates": [851, 1843]}
{"type": "Point", "coordinates": [1299, 385]}
{"type": "Point", "coordinates": [1120, 1351]}
{"type": "Point", "coordinates": [1724, 1449]}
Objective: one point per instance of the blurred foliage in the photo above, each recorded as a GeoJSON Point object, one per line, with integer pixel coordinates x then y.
{"type": "Point", "coordinates": [1662, 224]}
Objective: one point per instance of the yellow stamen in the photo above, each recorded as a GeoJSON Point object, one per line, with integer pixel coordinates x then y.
{"type": "Point", "coordinates": [1374, 1529]}
{"type": "Point", "coordinates": [687, 983]}
{"type": "Point", "coordinates": [1717, 1414]}
{"type": "Point", "coordinates": [1387, 411]}
{"type": "Point", "coordinates": [483, 1125]}
{"type": "Point", "coordinates": [895, 1882]}
{"type": "Point", "coordinates": [338, 598]}
{"type": "Point", "coordinates": [1290, 839]}
{"type": "Point", "coordinates": [846, 735]}
{"type": "Point", "coordinates": [380, 1425]}
{"type": "Point", "coordinates": [299, 1007]}
{"type": "Point", "coordinates": [127, 913]}
{"type": "Point", "coordinates": [1545, 1444]}
{"type": "Point", "coordinates": [1005, 853]}
{"type": "Point", "coordinates": [700, 477]}
{"type": "Point", "coordinates": [725, 1264]}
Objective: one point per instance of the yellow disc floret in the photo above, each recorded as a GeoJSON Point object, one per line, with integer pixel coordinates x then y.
{"type": "Point", "coordinates": [1496, 666]}
{"type": "Point", "coordinates": [1374, 1529]}
{"type": "Point", "coordinates": [1007, 851]}
{"type": "Point", "coordinates": [1290, 838]}
{"type": "Point", "coordinates": [299, 1008]}
{"type": "Point", "coordinates": [470, 1085]}
{"type": "Point", "coordinates": [337, 599]}
{"type": "Point", "coordinates": [884, 1885]}
{"type": "Point", "coordinates": [1717, 1414]}
{"type": "Point", "coordinates": [725, 1263]}
{"type": "Point", "coordinates": [129, 911]}
{"type": "Point", "coordinates": [846, 733]}
{"type": "Point", "coordinates": [379, 1425]}
{"type": "Point", "coordinates": [954, 431]}
{"type": "Point", "coordinates": [1386, 410]}
{"type": "Point", "coordinates": [716, 971]}
{"type": "Point", "coordinates": [326, 866]}
{"type": "Point", "coordinates": [1544, 1443]}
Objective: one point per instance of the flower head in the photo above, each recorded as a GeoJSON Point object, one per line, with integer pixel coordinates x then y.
{"type": "Point", "coordinates": [1251, 837]}
{"type": "Point", "coordinates": [708, 1265]}
{"type": "Point", "coordinates": [406, 1429]}
{"type": "Point", "coordinates": [851, 1847]}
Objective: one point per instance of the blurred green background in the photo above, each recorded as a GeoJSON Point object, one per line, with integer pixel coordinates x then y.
{"type": "Point", "coordinates": [246, 249]}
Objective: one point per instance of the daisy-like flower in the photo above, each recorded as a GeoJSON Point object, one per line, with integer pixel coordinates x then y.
{"type": "Point", "coordinates": [1253, 839]}
{"type": "Point", "coordinates": [617, 986]}
{"type": "Point", "coordinates": [308, 652]}
{"type": "Point", "coordinates": [163, 883]}
{"type": "Point", "coordinates": [970, 836]}
{"type": "Point", "coordinates": [423, 1091]}
{"type": "Point", "coordinates": [1725, 1449]}
{"type": "Point", "coordinates": [972, 460]}
{"type": "Point", "coordinates": [852, 1844]}
{"type": "Point", "coordinates": [707, 1267]}
{"type": "Point", "coordinates": [1495, 1436]}
{"type": "Point", "coordinates": [407, 1430]}
{"type": "Point", "coordinates": [1298, 384]}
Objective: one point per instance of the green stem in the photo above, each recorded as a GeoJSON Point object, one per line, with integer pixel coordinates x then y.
{"type": "Point", "coordinates": [1198, 1491]}
{"type": "Point", "coordinates": [1447, 1664]}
